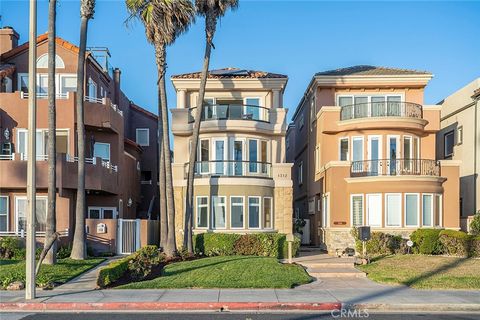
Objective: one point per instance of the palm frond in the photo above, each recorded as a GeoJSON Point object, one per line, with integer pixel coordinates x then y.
{"type": "Point", "coordinates": [217, 8]}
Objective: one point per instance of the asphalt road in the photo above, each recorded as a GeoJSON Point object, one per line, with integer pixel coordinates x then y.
{"type": "Point", "coordinates": [235, 316]}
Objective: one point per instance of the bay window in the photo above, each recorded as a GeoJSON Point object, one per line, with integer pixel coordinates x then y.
{"type": "Point", "coordinates": [202, 212]}
{"type": "Point", "coordinates": [219, 209]}
{"type": "Point", "coordinates": [393, 205]}
{"type": "Point", "coordinates": [427, 210]}
{"type": "Point", "coordinates": [236, 212]}
{"type": "Point", "coordinates": [411, 209]}
{"type": "Point", "coordinates": [254, 212]}
{"type": "Point", "coordinates": [267, 213]}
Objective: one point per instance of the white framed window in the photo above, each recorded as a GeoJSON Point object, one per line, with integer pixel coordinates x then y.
{"type": "Point", "coordinates": [142, 136]}
{"type": "Point", "coordinates": [356, 209]}
{"type": "Point", "coordinates": [4, 211]}
{"type": "Point", "coordinates": [23, 82]}
{"type": "Point", "coordinates": [202, 212]}
{"type": "Point", "coordinates": [317, 158]}
{"type": "Point", "coordinates": [252, 110]}
{"type": "Point", "coordinates": [91, 88]}
{"type": "Point", "coordinates": [427, 210]}
{"type": "Point", "coordinates": [459, 135]}
{"type": "Point", "coordinates": [42, 62]}
{"type": "Point", "coordinates": [42, 140]}
{"type": "Point", "coordinates": [253, 155]}
{"type": "Point", "coordinates": [412, 209]}
{"type": "Point", "coordinates": [374, 209]}
{"type": "Point", "coordinates": [357, 148]}
{"type": "Point", "coordinates": [254, 212]}
{"type": "Point", "coordinates": [448, 142]}
{"type": "Point", "coordinates": [325, 210]}
{"type": "Point", "coordinates": [237, 208]}
{"type": "Point", "coordinates": [203, 156]}
{"type": "Point", "coordinates": [21, 213]}
{"type": "Point", "coordinates": [267, 212]}
{"type": "Point", "coordinates": [219, 212]}
{"type": "Point", "coordinates": [438, 213]}
{"type": "Point", "coordinates": [68, 83]}
{"type": "Point", "coordinates": [102, 213]}
{"type": "Point", "coordinates": [220, 154]}
{"type": "Point", "coordinates": [343, 153]}
{"type": "Point", "coordinates": [300, 173]}
{"type": "Point", "coordinates": [102, 150]}
{"type": "Point", "coordinates": [393, 209]}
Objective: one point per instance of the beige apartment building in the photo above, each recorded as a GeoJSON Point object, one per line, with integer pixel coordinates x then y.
{"type": "Point", "coordinates": [363, 146]}
{"type": "Point", "coordinates": [459, 139]}
{"type": "Point", "coordinates": [242, 181]}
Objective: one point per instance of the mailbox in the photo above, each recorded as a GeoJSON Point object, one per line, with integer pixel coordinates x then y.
{"type": "Point", "coordinates": [101, 228]}
{"type": "Point", "coordinates": [364, 233]}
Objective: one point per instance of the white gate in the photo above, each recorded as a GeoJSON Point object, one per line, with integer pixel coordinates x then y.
{"type": "Point", "coordinates": [128, 236]}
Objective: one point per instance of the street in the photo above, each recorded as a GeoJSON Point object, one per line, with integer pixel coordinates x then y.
{"type": "Point", "coordinates": [236, 316]}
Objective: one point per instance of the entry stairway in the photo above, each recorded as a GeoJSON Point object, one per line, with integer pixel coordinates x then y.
{"type": "Point", "coordinates": [321, 265]}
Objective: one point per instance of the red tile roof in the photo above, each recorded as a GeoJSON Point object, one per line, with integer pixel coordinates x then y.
{"type": "Point", "coordinates": [40, 39]}
{"type": "Point", "coordinates": [231, 73]}
{"type": "Point", "coordinates": [364, 70]}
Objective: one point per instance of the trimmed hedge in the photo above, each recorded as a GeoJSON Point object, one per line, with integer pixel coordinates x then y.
{"type": "Point", "coordinates": [113, 271]}
{"type": "Point", "coordinates": [257, 244]}
{"type": "Point", "coordinates": [426, 241]}
{"type": "Point", "coordinates": [381, 244]}
{"type": "Point", "coordinates": [475, 247]}
{"type": "Point", "coordinates": [455, 243]}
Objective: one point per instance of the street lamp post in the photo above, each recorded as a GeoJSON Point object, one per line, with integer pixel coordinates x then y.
{"type": "Point", "coordinates": [31, 154]}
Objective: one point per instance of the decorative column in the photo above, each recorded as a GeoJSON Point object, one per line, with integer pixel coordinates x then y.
{"type": "Point", "coordinates": [182, 98]}
{"type": "Point", "coordinates": [276, 98]}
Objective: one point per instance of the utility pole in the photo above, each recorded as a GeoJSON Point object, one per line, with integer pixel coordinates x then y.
{"type": "Point", "coordinates": [31, 154]}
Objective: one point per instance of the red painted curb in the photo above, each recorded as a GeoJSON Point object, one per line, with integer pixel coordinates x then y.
{"type": "Point", "coordinates": [153, 306]}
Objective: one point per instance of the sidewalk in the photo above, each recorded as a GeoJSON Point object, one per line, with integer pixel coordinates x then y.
{"type": "Point", "coordinates": [332, 296]}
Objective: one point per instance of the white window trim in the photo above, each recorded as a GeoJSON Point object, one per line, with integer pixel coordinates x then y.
{"type": "Point", "coordinates": [387, 151]}
{"type": "Point", "coordinates": [325, 210]}
{"type": "Point", "coordinates": [17, 198]}
{"type": "Point", "coordinates": [137, 130]}
{"type": "Point", "coordinates": [212, 213]}
{"type": "Point", "coordinates": [272, 218]}
{"type": "Point", "coordinates": [351, 208]}
{"type": "Point", "coordinates": [208, 212]}
{"type": "Point", "coordinates": [102, 214]}
{"type": "Point", "coordinates": [363, 147]}
{"type": "Point", "coordinates": [109, 150]}
{"type": "Point", "coordinates": [369, 146]}
{"type": "Point", "coordinates": [261, 111]}
{"type": "Point", "coordinates": [7, 225]}
{"type": "Point", "coordinates": [236, 205]}
{"type": "Point", "coordinates": [59, 64]}
{"type": "Point", "coordinates": [42, 131]}
{"type": "Point", "coordinates": [405, 210]}
{"type": "Point", "coordinates": [340, 148]}
{"type": "Point", "coordinates": [369, 96]}
{"type": "Point", "coordinates": [367, 219]}
{"type": "Point", "coordinates": [386, 211]}
{"type": "Point", "coordinates": [431, 210]}
{"type": "Point", "coordinates": [259, 212]}
{"type": "Point", "coordinates": [440, 209]}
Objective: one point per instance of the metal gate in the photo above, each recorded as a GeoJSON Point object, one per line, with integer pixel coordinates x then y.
{"type": "Point", "coordinates": [128, 236]}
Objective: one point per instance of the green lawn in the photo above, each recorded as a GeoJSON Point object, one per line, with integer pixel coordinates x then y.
{"type": "Point", "coordinates": [426, 272]}
{"type": "Point", "coordinates": [64, 270]}
{"type": "Point", "coordinates": [227, 272]}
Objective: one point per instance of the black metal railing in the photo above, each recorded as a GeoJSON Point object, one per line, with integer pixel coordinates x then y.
{"type": "Point", "coordinates": [381, 109]}
{"type": "Point", "coordinates": [232, 168]}
{"type": "Point", "coordinates": [231, 112]}
{"type": "Point", "coordinates": [395, 167]}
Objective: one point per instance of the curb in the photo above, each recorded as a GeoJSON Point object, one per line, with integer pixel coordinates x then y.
{"type": "Point", "coordinates": [167, 306]}
{"type": "Point", "coordinates": [408, 307]}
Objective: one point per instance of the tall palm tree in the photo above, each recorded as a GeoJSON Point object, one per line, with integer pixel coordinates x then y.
{"type": "Point", "coordinates": [49, 252]}
{"type": "Point", "coordinates": [164, 21]}
{"type": "Point", "coordinates": [163, 195]}
{"type": "Point", "coordinates": [87, 9]}
{"type": "Point", "coordinates": [212, 10]}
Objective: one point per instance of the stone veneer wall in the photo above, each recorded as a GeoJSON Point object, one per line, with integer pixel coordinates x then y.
{"type": "Point", "coordinates": [283, 210]}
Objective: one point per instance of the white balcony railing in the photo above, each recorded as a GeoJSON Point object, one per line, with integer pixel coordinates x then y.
{"type": "Point", "coordinates": [44, 95]}
{"type": "Point", "coordinates": [104, 102]}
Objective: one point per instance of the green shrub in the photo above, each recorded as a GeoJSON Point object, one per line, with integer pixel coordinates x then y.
{"type": "Point", "coordinates": [64, 252]}
{"type": "Point", "coordinates": [113, 271]}
{"type": "Point", "coordinates": [9, 246]}
{"type": "Point", "coordinates": [381, 244]}
{"type": "Point", "coordinates": [475, 247]}
{"type": "Point", "coordinates": [454, 243]}
{"type": "Point", "coordinates": [475, 224]}
{"type": "Point", "coordinates": [258, 244]}
{"type": "Point", "coordinates": [426, 241]}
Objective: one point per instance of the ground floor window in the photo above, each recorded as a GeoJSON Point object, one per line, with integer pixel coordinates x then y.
{"type": "Point", "coordinates": [21, 213]}
{"type": "Point", "coordinates": [427, 210]}
{"type": "Point", "coordinates": [254, 212]}
{"type": "Point", "coordinates": [357, 209]}
{"type": "Point", "coordinates": [267, 212]}
{"type": "Point", "coordinates": [202, 212]}
{"type": "Point", "coordinates": [102, 213]}
{"type": "Point", "coordinates": [236, 212]}
{"type": "Point", "coordinates": [3, 213]}
{"type": "Point", "coordinates": [411, 209]}
{"type": "Point", "coordinates": [219, 210]}
{"type": "Point", "coordinates": [393, 207]}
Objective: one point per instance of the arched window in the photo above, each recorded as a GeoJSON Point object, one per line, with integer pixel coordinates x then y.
{"type": "Point", "coordinates": [42, 62]}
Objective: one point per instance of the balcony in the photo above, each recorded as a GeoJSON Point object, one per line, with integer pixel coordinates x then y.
{"type": "Point", "coordinates": [231, 168]}
{"type": "Point", "coordinates": [381, 110]}
{"type": "Point", "coordinates": [395, 167]}
{"type": "Point", "coordinates": [231, 112]}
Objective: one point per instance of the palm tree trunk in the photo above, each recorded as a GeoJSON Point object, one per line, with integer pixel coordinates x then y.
{"type": "Point", "coordinates": [210, 26]}
{"type": "Point", "coordinates": [51, 220]}
{"type": "Point", "coordinates": [78, 247]}
{"type": "Point", "coordinates": [170, 246]}
{"type": "Point", "coordinates": [163, 200]}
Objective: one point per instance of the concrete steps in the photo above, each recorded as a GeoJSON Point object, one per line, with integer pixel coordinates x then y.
{"type": "Point", "coordinates": [336, 273]}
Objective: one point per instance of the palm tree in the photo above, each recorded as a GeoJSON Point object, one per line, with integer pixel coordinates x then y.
{"type": "Point", "coordinates": [87, 9]}
{"type": "Point", "coordinates": [212, 10]}
{"type": "Point", "coordinates": [164, 21]}
{"type": "Point", "coordinates": [50, 234]}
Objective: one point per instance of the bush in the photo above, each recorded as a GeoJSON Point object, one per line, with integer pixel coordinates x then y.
{"type": "Point", "coordinates": [258, 244]}
{"type": "Point", "coordinates": [64, 252]}
{"type": "Point", "coordinates": [381, 244]}
{"type": "Point", "coordinates": [475, 224]}
{"type": "Point", "coordinates": [426, 241]}
{"type": "Point", "coordinates": [9, 246]}
{"type": "Point", "coordinates": [455, 243]}
{"type": "Point", "coordinates": [475, 247]}
{"type": "Point", "coordinates": [113, 271]}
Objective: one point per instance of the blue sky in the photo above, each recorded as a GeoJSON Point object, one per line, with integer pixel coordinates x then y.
{"type": "Point", "coordinates": [290, 37]}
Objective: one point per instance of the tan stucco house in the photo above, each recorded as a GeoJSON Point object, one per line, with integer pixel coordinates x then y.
{"type": "Point", "coordinates": [363, 146]}
{"type": "Point", "coordinates": [242, 181]}
{"type": "Point", "coordinates": [459, 139]}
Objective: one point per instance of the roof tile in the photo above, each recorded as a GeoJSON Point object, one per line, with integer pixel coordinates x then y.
{"type": "Point", "coordinates": [366, 70]}
{"type": "Point", "coordinates": [231, 73]}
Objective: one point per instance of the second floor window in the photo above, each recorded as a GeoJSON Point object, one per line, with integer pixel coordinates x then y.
{"type": "Point", "coordinates": [448, 140]}
{"type": "Point", "coordinates": [142, 137]}
{"type": "Point", "coordinates": [92, 88]}
{"type": "Point", "coordinates": [344, 149]}
{"type": "Point", "coordinates": [300, 173]}
{"type": "Point", "coordinates": [102, 150]}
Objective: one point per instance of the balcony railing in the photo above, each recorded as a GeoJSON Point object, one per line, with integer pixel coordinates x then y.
{"type": "Point", "coordinates": [231, 112]}
{"type": "Point", "coordinates": [104, 101]}
{"type": "Point", "coordinates": [381, 109]}
{"type": "Point", "coordinates": [395, 167]}
{"type": "Point", "coordinates": [232, 168]}
{"type": "Point", "coordinates": [44, 95]}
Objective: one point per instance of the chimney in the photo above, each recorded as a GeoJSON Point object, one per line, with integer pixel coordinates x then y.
{"type": "Point", "coordinates": [8, 39]}
{"type": "Point", "coordinates": [116, 83]}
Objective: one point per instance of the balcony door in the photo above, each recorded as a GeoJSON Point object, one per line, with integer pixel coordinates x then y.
{"type": "Point", "coordinates": [393, 155]}
{"type": "Point", "coordinates": [220, 155]}
{"type": "Point", "coordinates": [252, 110]}
{"type": "Point", "coordinates": [374, 155]}
{"type": "Point", "coordinates": [238, 148]}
